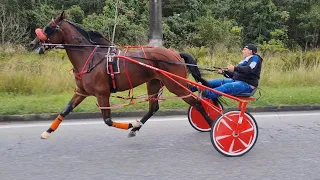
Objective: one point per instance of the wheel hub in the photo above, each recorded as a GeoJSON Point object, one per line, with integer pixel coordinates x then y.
{"type": "Point", "coordinates": [235, 134]}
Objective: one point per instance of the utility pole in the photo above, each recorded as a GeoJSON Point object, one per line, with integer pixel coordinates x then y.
{"type": "Point", "coordinates": [155, 23]}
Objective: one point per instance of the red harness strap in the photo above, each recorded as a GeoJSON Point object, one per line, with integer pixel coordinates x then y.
{"type": "Point", "coordinates": [112, 76]}
{"type": "Point", "coordinates": [83, 71]}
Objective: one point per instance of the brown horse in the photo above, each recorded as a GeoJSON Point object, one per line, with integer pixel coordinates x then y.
{"type": "Point", "coordinates": [93, 79]}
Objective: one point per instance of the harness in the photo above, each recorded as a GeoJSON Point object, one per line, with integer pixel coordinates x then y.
{"type": "Point", "coordinates": [111, 58]}
{"type": "Point", "coordinates": [113, 67]}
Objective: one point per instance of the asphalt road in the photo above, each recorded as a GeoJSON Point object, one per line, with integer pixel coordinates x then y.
{"type": "Point", "coordinates": [166, 148]}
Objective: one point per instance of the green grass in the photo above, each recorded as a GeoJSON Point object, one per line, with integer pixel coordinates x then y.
{"type": "Point", "coordinates": [33, 84]}
{"type": "Point", "coordinates": [289, 96]}
{"type": "Point", "coordinates": [54, 103]}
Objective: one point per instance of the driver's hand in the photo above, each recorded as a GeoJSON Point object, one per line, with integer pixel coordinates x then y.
{"type": "Point", "coordinates": [220, 71]}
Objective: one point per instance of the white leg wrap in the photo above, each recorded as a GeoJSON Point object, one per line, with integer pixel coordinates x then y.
{"type": "Point", "coordinates": [136, 124]}
{"type": "Point", "coordinates": [45, 135]}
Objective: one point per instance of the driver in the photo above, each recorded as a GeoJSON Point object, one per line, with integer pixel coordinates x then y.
{"type": "Point", "coordinates": [242, 78]}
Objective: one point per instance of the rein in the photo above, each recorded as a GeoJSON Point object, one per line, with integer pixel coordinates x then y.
{"type": "Point", "coordinates": [89, 59]}
{"type": "Point", "coordinates": [214, 69]}
{"type": "Point", "coordinates": [63, 46]}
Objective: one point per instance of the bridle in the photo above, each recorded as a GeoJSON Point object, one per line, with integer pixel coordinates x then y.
{"type": "Point", "coordinates": [47, 32]}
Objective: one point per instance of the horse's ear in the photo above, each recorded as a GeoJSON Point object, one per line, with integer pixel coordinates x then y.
{"type": "Point", "coordinates": [61, 16]}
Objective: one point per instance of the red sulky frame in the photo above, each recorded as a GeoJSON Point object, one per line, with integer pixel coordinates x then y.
{"type": "Point", "coordinates": [229, 141]}
{"type": "Point", "coordinates": [243, 101]}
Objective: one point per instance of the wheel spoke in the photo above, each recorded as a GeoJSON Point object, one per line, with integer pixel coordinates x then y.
{"type": "Point", "coordinates": [218, 138]}
{"type": "Point", "coordinates": [243, 143]}
{"type": "Point", "coordinates": [231, 146]}
{"type": "Point", "coordinates": [226, 124]}
{"type": "Point", "coordinates": [248, 130]}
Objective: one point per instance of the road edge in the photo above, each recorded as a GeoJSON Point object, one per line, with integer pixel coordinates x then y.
{"type": "Point", "coordinates": [83, 115]}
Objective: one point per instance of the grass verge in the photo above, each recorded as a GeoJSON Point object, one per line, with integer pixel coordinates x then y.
{"type": "Point", "coordinates": [33, 84]}
{"type": "Point", "coordinates": [54, 103]}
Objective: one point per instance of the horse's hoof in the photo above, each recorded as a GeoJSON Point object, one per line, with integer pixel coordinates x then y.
{"type": "Point", "coordinates": [136, 124]}
{"type": "Point", "coordinates": [45, 135]}
{"type": "Point", "coordinates": [132, 134]}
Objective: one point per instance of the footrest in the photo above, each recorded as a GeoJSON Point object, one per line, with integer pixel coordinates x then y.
{"type": "Point", "coordinates": [247, 94]}
{"type": "Point", "coordinates": [246, 98]}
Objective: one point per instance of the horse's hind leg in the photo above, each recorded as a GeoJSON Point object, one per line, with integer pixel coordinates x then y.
{"type": "Point", "coordinates": [179, 91]}
{"type": "Point", "coordinates": [76, 100]}
{"type": "Point", "coordinates": [153, 87]}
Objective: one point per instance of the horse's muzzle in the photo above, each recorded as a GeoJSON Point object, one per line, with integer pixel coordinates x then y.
{"type": "Point", "coordinates": [30, 47]}
{"type": "Point", "coordinates": [40, 50]}
{"type": "Point", "coordinates": [35, 47]}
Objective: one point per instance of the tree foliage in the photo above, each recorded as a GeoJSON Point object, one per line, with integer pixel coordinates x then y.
{"type": "Point", "coordinates": [11, 29]}
{"type": "Point", "coordinates": [274, 24]}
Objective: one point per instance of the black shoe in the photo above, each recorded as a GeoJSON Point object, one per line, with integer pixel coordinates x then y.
{"type": "Point", "coordinates": [201, 92]}
{"type": "Point", "coordinates": [192, 88]}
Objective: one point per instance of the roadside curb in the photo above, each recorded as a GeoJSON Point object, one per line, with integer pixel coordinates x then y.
{"type": "Point", "coordinates": [79, 115]}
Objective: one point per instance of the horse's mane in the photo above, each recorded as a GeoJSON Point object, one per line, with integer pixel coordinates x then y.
{"type": "Point", "coordinates": [93, 37]}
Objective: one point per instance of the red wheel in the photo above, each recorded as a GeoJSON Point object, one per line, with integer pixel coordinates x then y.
{"type": "Point", "coordinates": [197, 121]}
{"type": "Point", "coordinates": [230, 143]}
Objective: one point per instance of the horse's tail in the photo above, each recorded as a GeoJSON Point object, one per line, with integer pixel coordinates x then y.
{"type": "Point", "coordinates": [194, 70]}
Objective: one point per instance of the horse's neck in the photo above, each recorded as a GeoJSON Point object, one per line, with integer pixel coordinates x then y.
{"type": "Point", "coordinates": [77, 55]}
{"type": "Point", "coordinates": [80, 55]}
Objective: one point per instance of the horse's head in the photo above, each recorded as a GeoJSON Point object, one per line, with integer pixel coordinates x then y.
{"type": "Point", "coordinates": [51, 33]}
{"type": "Point", "coordinates": [61, 31]}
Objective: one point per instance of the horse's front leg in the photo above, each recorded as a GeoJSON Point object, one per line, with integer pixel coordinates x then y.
{"type": "Point", "coordinates": [104, 104]}
{"type": "Point", "coordinates": [75, 101]}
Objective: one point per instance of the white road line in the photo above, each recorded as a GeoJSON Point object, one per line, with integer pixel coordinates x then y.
{"type": "Point", "coordinates": [154, 119]}
{"type": "Point", "coordinates": [286, 115]}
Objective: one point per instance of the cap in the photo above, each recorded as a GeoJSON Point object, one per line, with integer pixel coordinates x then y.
{"type": "Point", "coordinates": [252, 47]}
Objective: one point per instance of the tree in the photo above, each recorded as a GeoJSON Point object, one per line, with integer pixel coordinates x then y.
{"type": "Point", "coordinates": [189, 9]}
{"type": "Point", "coordinates": [76, 14]}
{"type": "Point", "coordinates": [310, 26]}
{"type": "Point", "coordinates": [88, 6]}
{"type": "Point", "coordinates": [39, 16]}
{"type": "Point", "coordinates": [131, 24]}
{"type": "Point", "coordinates": [257, 17]}
{"type": "Point", "coordinates": [217, 33]}
{"type": "Point", "coordinates": [295, 9]}
{"type": "Point", "coordinates": [11, 30]}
